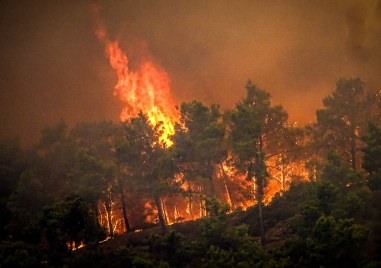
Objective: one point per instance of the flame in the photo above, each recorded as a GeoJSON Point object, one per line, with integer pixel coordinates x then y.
{"type": "Point", "coordinates": [146, 89]}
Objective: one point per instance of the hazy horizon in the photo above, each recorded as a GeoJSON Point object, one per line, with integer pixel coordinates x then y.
{"type": "Point", "coordinates": [53, 66]}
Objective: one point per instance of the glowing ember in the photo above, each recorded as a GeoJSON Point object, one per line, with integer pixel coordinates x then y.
{"type": "Point", "coordinates": [146, 89]}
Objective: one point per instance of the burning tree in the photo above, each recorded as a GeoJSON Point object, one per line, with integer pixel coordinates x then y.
{"type": "Point", "coordinates": [147, 161]}
{"type": "Point", "coordinates": [94, 175]}
{"type": "Point", "coordinates": [199, 145]}
{"type": "Point", "coordinates": [200, 136]}
{"type": "Point", "coordinates": [255, 124]}
{"type": "Point", "coordinates": [285, 156]}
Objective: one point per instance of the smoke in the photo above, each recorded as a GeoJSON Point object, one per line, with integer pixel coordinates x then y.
{"type": "Point", "coordinates": [52, 65]}
{"type": "Point", "coordinates": [356, 19]}
{"type": "Point", "coordinates": [363, 22]}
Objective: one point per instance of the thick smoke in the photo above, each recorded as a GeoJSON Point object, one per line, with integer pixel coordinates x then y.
{"type": "Point", "coordinates": [363, 21]}
{"type": "Point", "coordinates": [53, 67]}
{"type": "Point", "coordinates": [356, 19]}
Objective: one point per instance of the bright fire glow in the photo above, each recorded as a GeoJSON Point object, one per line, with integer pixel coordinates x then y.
{"type": "Point", "coordinates": [146, 89]}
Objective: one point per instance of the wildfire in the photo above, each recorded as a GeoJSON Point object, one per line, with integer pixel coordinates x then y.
{"type": "Point", "coordinates": [146, 89]}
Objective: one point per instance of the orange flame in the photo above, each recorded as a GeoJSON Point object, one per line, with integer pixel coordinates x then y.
{"type": "Point", "coordinates": [146, 89]}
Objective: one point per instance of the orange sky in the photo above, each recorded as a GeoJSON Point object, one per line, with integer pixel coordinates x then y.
{"type": "Point", "coordinates": [52, 66]}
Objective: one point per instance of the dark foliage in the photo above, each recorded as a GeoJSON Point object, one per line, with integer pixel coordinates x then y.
{"type": "Point", "coordinates": [50, 195]}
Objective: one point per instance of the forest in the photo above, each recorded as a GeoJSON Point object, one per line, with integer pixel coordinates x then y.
{"type": "Point", "coordinates": [242, 187]}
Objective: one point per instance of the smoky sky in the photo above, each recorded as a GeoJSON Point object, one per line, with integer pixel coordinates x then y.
{"type": "Point", "coordinates": [52, 66]}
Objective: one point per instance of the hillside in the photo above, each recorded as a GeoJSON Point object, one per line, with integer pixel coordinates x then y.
{"type": "Point", "coordinates": [315, 189]}
{"type": "Point", "coordinates": [298, 234]}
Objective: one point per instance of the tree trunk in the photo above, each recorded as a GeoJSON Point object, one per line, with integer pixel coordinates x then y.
{"type": "Point", "coordinates": [190, 207]}
{"type": "Point", "coordinates": [176, 213]}
{"type": "Point", "coordinates": [353, 153]}
{"type": "Point", "coordinates": [190, 201]}
{"type": "Point", "coordinates": [165, 211]}
{"type": "Point", "coordinates": [124, 210]}
{"type": "Point", "coordinates": [283, 174]}
{"type": "Point", "coordinates": [160, 214]}
{"type": "Point", "coordinates": [202, 203]}
{"type": "Point", "coordinates": [355, 158]}
{"type": "Point", "coordinates": [260, 205]}
{"type": "Point", "coordinates": [212, 188]}
{"type": "Point", "coordinates": [96, 211]}
{"type": "Point", "coordinates": [260, 176]}
{"type": "Point", "coordinates": [108, 205]}
{"type": "Point", "coordinates": [228, 197]}
{"type": "Point", "coordinates": [211, 174]}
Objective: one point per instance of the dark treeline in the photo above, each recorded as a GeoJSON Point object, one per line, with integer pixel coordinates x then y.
{"type": "Point", "coordinates": [312, 193]}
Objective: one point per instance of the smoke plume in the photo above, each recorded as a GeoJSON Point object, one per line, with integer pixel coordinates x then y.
{"type": "Point", "coordinates": [52, 65]}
